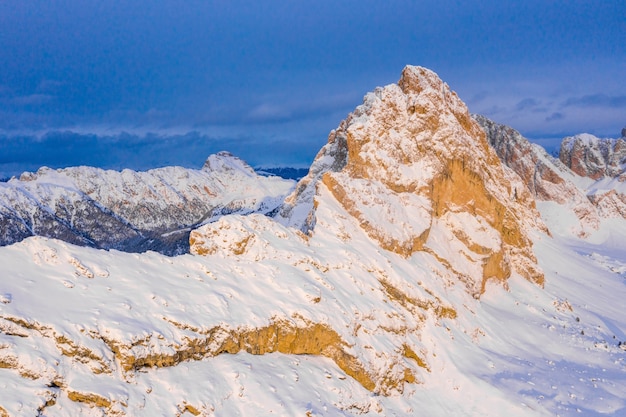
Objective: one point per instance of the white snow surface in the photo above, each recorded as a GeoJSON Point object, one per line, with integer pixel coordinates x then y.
{"type": "Point", "coordinates": [223, 180]}
{"type": "Point", "coordinates": [518, 351]}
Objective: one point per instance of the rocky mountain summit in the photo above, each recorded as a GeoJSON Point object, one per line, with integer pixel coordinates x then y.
{"type": "Point", "coordinates": [412, 167]}
{"type": "Point", "coordinates": [132, 211]}
{"type": "Point", "coordinates": [590, 156]}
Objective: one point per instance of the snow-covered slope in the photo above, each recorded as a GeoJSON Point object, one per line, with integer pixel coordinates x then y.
{"type": "Point", "coordinates": [409, 286]}
{"type": "Point", "coordinates": [291, 327]}
{"type": "Point", "coordinates": [132, 211]}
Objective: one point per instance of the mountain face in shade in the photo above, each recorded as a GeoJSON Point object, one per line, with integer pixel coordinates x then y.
{"type": "Point", "coordinates": [430, 263]}
{"type": "Point", "coordinates": [588, 179]}
{"type": "Point", "coordinates": [132, 211]}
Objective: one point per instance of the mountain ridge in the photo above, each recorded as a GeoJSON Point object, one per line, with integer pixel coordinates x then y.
{"type": "Point", "coordinates": [129, 210]}
{"type": "Point", "coordinates": [583, 180]}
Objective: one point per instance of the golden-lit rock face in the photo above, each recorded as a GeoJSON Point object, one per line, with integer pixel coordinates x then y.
{"type": "Point", "coordinates": [417, 138]}
{"type": "Point", "coordinates": [278, 336]}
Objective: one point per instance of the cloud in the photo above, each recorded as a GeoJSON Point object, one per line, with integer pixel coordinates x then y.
{"type": "Point", "coordinates": [493, 110]}
{"type": "Point", "coordinates": [526, 104]}
{"type": "Point", "coordinates": [59, 149]}
{"type": "Point", "coordinates": [268, 112]}
{"type": "Point", "coordinates": [477, 98]}
{"type": "Point", "coordinates": [555, 116]}
{"type": "Point", "coordinates": [49, 85]}
{"type": "Point", "coordinates": [281, 109]}
{"type": "Point", "coordinates": [596, 100]}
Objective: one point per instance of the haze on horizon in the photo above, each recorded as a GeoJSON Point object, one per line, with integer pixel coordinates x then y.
{"type": "Point", "coordinates": [142, 84]}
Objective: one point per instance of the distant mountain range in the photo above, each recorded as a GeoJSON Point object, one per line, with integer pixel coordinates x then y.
{"type": "Point", "coordinates": [284, 172]}
{"type": "Point", "coordinates": [133, 211]}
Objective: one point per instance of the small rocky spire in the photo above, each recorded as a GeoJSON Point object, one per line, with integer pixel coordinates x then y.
{"type": "Point", "coordinates": [624, 132]}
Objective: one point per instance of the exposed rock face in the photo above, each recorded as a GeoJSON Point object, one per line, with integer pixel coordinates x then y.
{"type": "Point", "coordinates": [408, 164]}
{"type": "Point", "coordinates": [602, 161]}
{"type": "Point", "coordinates": [298, 208]}
{"type": "Point", "coordinates": [589, 156]}
{"type": "Point", "coordinates": [547, 178]}
{"type": "Point", "coordinates": [541, 173]}
{"type": "Point", "coordinates": [132, 211]}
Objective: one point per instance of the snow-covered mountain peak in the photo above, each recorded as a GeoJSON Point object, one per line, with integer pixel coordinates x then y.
{"type": "Point", "coordinates": [224, 162]}
{"type": "Point", "coordinates": [593, 157]}
{"type": "Point", "coordinates": [130, 210]}
{"type": "Point", "coordinates": [411, 166]}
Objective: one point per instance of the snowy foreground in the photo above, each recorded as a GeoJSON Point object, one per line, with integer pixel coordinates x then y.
{"type": "Point", "coordinates": [521, 351]}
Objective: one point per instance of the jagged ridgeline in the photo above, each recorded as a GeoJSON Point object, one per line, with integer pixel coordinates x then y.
{"type": "Point", "coordinates": [133, 211]}
{"type": "Point", "coordinates": [588, 180]}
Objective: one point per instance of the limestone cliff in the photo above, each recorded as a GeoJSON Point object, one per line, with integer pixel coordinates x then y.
{"type": "Point", "coordinates": [590, 156]}
{"type": "Point", "coordinates": [604, 161]}
{"type": "Point", "coordinates": [547, 178]}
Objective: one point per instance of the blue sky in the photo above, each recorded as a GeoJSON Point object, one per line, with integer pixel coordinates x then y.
{"type": "Point", "coordinates": [142, 83]}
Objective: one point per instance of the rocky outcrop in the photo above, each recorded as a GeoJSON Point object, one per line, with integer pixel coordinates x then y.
{"type": "Point", "coordinates": [595, 158]}
{"type": "Point", "coordinates": [542, 174]}
{"type": "Point", "coordinates": [298, 208]}
{"type": "Point", "coordinates": [587, 179]}
{"type": "Point", "coordinates": [132, 211]}
{"type": "Point", "coordinates": [547, 178]}
{"type": "Point", "coordinates": [604, 162]}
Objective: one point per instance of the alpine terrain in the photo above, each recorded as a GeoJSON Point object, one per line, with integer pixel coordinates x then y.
{"type": "Point", "coordinates": [132, 211]}
{"type": "Point", "coordinates": [431, 263]}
